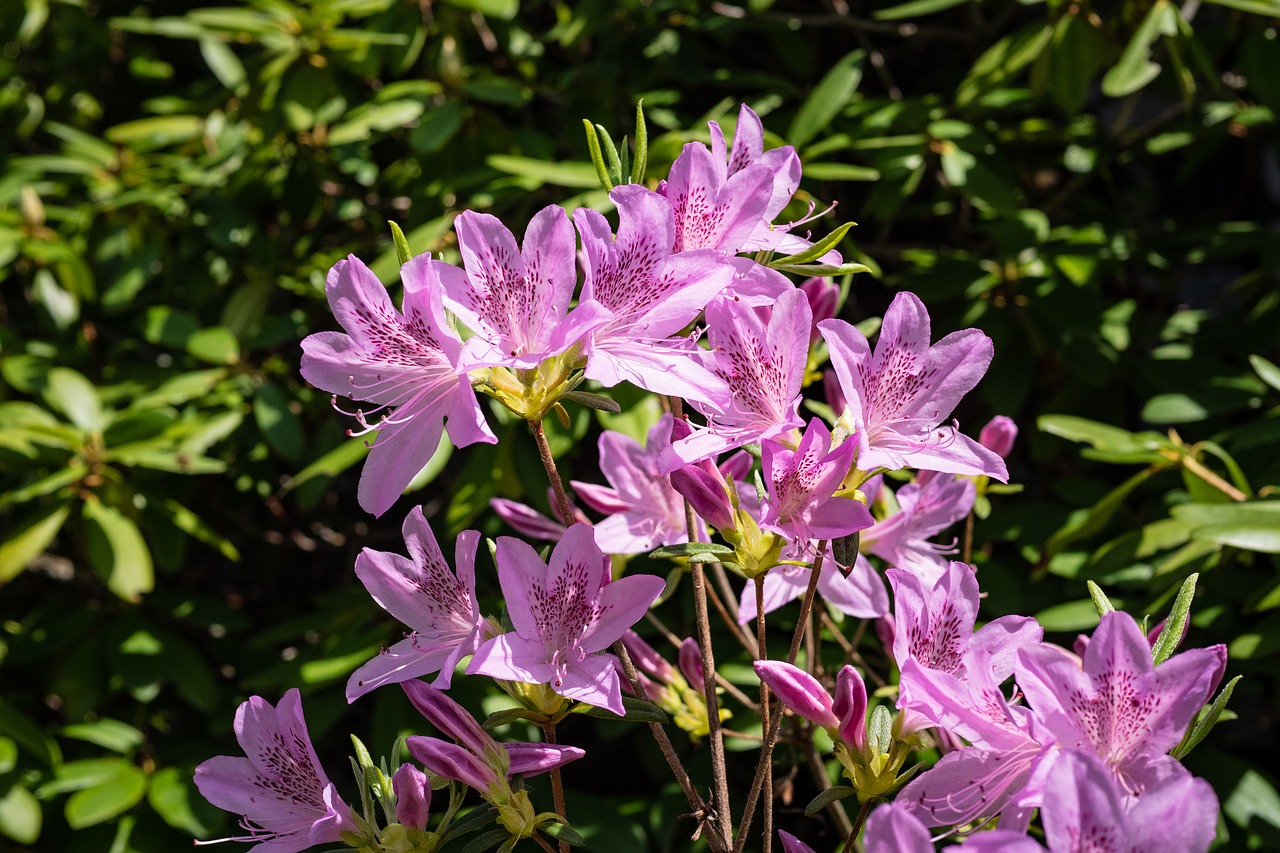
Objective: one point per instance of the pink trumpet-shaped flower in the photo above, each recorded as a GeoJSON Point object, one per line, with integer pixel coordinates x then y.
{"type": "Point", "coordinates": [844, 716]}
{"type": "Point", "coordinates": [564, 613]}
{"type": "Point", "coordinates": [407, 364]}
{"type": "Point", "coordinates": [897, 397]}
{"type": "Point", "coordinates": [516, 302]}
{"type": "Point", "coordinates": [926, 507]}
{"type": "Point", "coordinates": [801, 484]}
{"type": "Point", "coordinates": [423, 593]}
{"type": "Point", "coordinates": [649, 295]}
{"type": "Point", "coordinates": [280, 788]}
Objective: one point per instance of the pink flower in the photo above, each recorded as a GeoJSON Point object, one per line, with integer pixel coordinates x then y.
{"type": "Point", "coordinates": [998, 435]}
{"type": "Point", "coordinates": [801, 484]}
{"type": "Point", "coordinates": [423, 593]}
{"type": "Point", "coordinates": [564, 614]}
{"type": "Point", "coordinates": [407, 364]}
{"type": "Point", "coordinates": [897, 397]}
{"type": "Point", "coordinates": [280, 788]}
{"type": "Point", "coordinates": [926, 507]}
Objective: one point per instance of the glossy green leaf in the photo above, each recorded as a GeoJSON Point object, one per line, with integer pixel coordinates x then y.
{"type": "Point", "coordinates": [30, 538]}
{"type": "Point", "coordinates": [1135, 68]}
{"type": "Point", "coordinates": [1171, 635]}
{"type": "Point", "coordinates": [117, 551]}
{"type": "Point", "coordinates": [833, 794]}
{"type": "Point", "coordinates": [216, 345]}
{"type": "Point", "coordinates": [171, 794]}
{"type": "Point", "coordinates": [915, 8]}
{"type": "Point", "coordinates": [279, 425]}
{"type": "Point", "coordinates": [832, 94]}
{"type": "Point", "coordinates": [560, 174]}
{"type": "Point", "coordinates": [114, 796]}
{"type": "Point", "coordinates": [75, 396]}
{"type": "Point", "coordinates": [1269, 8]}
{"type": "Point", "coordinates": [1266, 370]}
{"type": "Point", "coordinates": [503, 9]}
{"type": "Point", "coordinates": [223, 62]}
{"type": "Point", "coordinates": [106, 733]}
{"type": "Point", "coordinates": [21, 817]}
{"type": "Point", "coordinates": [1205, 720]}
{"type": "Point", "coordinates": [333, 463]}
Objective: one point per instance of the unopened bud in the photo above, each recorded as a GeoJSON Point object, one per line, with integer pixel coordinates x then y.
{"type": "Point", "coordinates": [998, 435]}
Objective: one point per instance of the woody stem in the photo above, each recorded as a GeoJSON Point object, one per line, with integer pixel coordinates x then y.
{"type": "Point", "coordinates": [549, 463]}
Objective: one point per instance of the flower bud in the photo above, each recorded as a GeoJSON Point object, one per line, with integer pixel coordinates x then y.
{"type": "Point", "coordinates": [998, 435]}
{"type": "Point", "coordinates": [413, 796]}
{"type": "Point", "coordinates": [690, 661]}
{"type": "Point", "coordinates": [706, 494]}
{"type": "Point", "coordinates": [799, 691]}
{"type": "Point", "coordinates": [824, 296]}
{"type": "Point", "coordinates": [850, 705]}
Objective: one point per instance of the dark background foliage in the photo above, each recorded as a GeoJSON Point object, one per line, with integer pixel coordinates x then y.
{"type": "Point", "coordinates": [1092, 184]}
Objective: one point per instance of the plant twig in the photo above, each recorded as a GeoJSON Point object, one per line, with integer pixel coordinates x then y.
{"type": "Point", "coordinates": [857, 825]}
{"type": "Point", "coordinates": [549, 463]}
{"type": "Point", "coordinates": [766, 753]}
{"type": "Point", "coordinates": [557, 785]}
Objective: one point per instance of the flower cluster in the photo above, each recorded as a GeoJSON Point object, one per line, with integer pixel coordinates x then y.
{"type": "Point", "coordinates": [684, 298]}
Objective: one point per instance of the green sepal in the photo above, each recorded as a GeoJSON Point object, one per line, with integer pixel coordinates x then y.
{"type": "Point", "coordinates": [592, 400]}
{"type": "Point", "coordinates": [817, 250]}
{"type": "Point", "coordinates": [827, 797]}
{"type": "Point", "coordinates": [564, 832]}
{"type": "Point", "coordinates": [403, 253]}
{"type": "Point", "coordinates": [1171, 634]}
{"type": "Point", "coordinates": [1205, 721]}
{"type": "Point", "coordinates": [638, 711]}
{"type": "Point", "coordinates": [1100, 600]}
{"type": "Point", "coordinates": [642, 146]}
{"type": "Point", "coordinates": [691, 549]}
{"type": "Point", "coordinates": [597, 156]}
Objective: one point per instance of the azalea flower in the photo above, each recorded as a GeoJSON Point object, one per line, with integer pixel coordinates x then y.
{"type": "Point", "coordinates": [564, 613]}
{"type": "Point", "coordinates": [423, 593]}
{"type": "Point", "coordinates": [280, 788]}
{"type": "Point", "coordinates": [649, 295]}
{"type": "Point", "coordinates": [843, 716]}
{"type": "Point", "coordinates": [407, 364]}
{"type": "Point", "coordinates": [926, 507]}
{"type": "Point", "coordinates": [1118, 703]}
{"type": "Point", "coordinates": [761, 357]}
{"type": "Point", "coordinates": [897, 397]}
{"type": "Point", "coordinates": [644, 510]}
{"type": "Point", "coordinates": [801, 484]}
{"type": "Point", "coordinates": [892, 828]}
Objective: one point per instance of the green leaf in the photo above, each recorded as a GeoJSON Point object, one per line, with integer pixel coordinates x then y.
{"type": "Point", "coordinates": [560, 174]}
{"type": "Point", "coordinates": [915, 8]}
{"type": "Point", "coordinates": [847, 268]}
{"type": "Point", "coordinates": [597, 155]}
{"type": "Point", "coordinates": [30, 539]}
{"type": "Point", "coordinates": [149, 133]}
{"type": "Point", "coordinates": [1266, 370]}
{"type": "Point", "coordinates": [1135, 68]}
{"type": "Point", "coordinates": [817, 250]}
{"type": "Point", "coordinates": [1253, 801]}
{"type": "Point", "coordinates": [117, 551]}
{"type": "Point", "coordinates": [20, 815]}
{"type": "Point", "coordinates": [507, 716]}
{"type": "Point", "coordinates": [1171, 634]}
{"type": "Point", "coordinates": [72, 394]}
{"type": "Point", "coordinates": [114, 796]}
{"type": "Point", "coordinates": [1269, 8]}
{"type": "Point", "coordinates": [1205, 720]}
{"type": "Point", "coordinates": [106, 733]}
{"type": "Point", "coordinates": [827, 797]}
{"type": "Point", "coordinates": [687, 549]}
{"type": "Point", "coordinates": [637, 711]}
{"type": "Point", "coordinates": [1094, 519]}
{"type": "Point", "coordinates": [216, 345]}
{"type": "Point", "coordinates": [504, 9]}
{"type": "Point", "coordinates": [565, 833]}
{"type": "Point", "coordinates": [385, 117]}
{"type": "Point", "coordinates": [223, 62]}
{"type": "Point", "coordinates": [485, 841]}
{"type": "Point", "coordinates": [828, 99]}
{"type": "Point", "coordinates": [195, 527]}
{"type": "Point", "coordinates": [840, 172]}
{"type": "Point", "coordinates": [642, 146]}
{"type": "Point", "coordinates": [331, 464]}
{"type": "Point", "coordinates": [1077, 615]}
{"type": "Point", "coordinates": [279, 425]}
{"type": "Point", "coordinates": [591, 400]}
{"type": "Point", "coordinates": [43, 486]}
{"type": "Point", "coordinates": [1250, 538]}
{"type": "Point", "coordinates": [1099, 598]}
{"type": "Point", "coordinates": [1173, 408]}
{"type": "Point", "coordinates": [472, 820]}
{"type": "Point", "coordinates": [171, 794]}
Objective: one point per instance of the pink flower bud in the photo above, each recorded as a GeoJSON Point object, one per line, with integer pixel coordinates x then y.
{"type": "Point", "coordinates": [534, 758]}
{"type": "Point", "coordinates": [527, 520]}
{"type": "Point", "coordinates": [451, 761]}
{"type": "Point", "coordinates": [998, 435]}
{"type": "Point", "coordinates": [799, 691]}
{"type": "Point", "coordinates": [690, 660]}
{"type": "Point", "coordinates": [850, 706]}
{"type": "Point", "coordinates": [413, 796]}
{"type": "Point", "coordinates": [706, 494]}
{"type": "Point", "coordinates": [824, 297]}
{"type": "Point", "coordinates": [646, 657]}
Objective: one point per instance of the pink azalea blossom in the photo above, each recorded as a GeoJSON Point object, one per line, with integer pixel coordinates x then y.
{"type": "Point", "coordinates": [644, 510]}
{"type": "Point", "coordinates": [761, 357]}
{"type": "Point", "coordinates": [280, 788]}
{"type": "Point", "coordinates": [516, 301]}
{"type": "Point", "coordinates": [801, 484]}
{"type": "Point", "coordinates": [407, 364]}
{"type": "Point", "coordinates": [1119, 704]}
{"type": "Point", "coordinates": [844, 715]}
{"type": "Point", "coordinates": [423, 593]}
{"type": "Point", "coordinates": [649, 295]}
{"type": "Point", "coordinates": [926, 507]}
{"type": "Point", "coordinates": [564, 613]}
{"type": "Point", "coordinates": [893, 828]}
{"type": "Point", "coordinates": [897, 397]}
